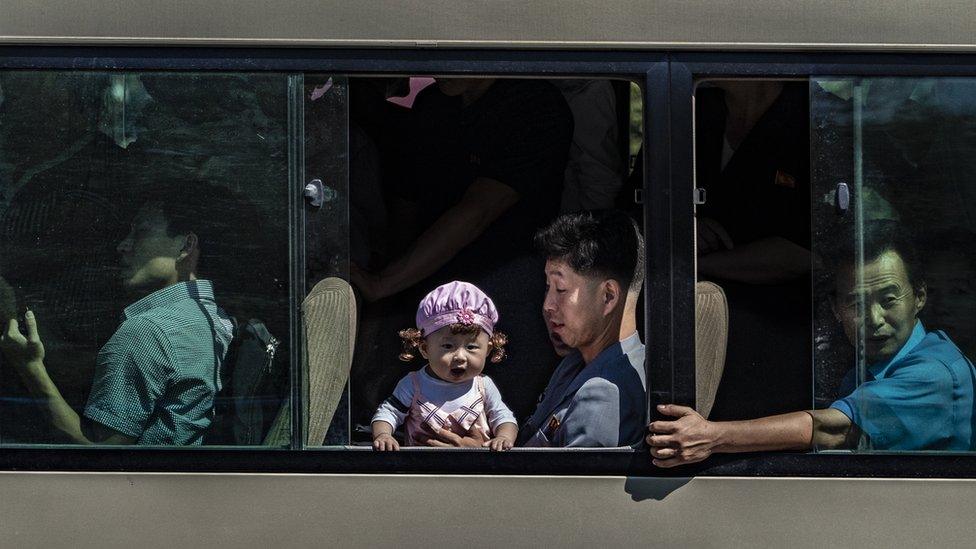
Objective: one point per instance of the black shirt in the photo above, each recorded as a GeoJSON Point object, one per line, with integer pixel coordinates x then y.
{"type": "Point", "coordinates": [517, 133]}
{"type": "Point", "coordinates": [764, 190]}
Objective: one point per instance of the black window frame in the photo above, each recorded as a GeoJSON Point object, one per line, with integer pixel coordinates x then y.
{"type": "Point", "coordinates": [648, 69]}
{"type": "Point", "coordinates": [668, 82]}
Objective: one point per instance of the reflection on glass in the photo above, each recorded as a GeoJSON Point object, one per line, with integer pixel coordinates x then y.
{"type": "Point", "coordinates": [905, 298]}
{"type": "Point", "coordinates": [143, 222]}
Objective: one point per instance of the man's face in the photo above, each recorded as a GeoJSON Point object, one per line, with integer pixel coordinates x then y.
{"type": "Point", "coordinates": [148, 253]}
{"type": "Point", "coordinates": [890, 304]}
{"type": "Point", "coordinates": [572, 308]}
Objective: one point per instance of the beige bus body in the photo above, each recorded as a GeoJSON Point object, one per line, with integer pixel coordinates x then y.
{"type": "Point", "coordinates": [600, 24]}
{"type": "Point", "coordinates": [233, 510]}
{"type": "Point", "coordinates": [45, 509]}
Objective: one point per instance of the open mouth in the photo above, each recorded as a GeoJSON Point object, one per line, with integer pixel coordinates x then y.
{"type": "Point", "coordinates": [457, 371]}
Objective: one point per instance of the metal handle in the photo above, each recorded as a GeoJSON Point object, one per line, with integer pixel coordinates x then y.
{"type": "Point", "coordinates": [318, 193]}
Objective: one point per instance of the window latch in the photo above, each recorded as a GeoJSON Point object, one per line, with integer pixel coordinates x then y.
{"type": "Point", "coordinates": [842, 198]}
{"type": "Point", "coordinates": [699, 196]}
{"type": "Point", "coordinates": [638, 196]}
{"type": "Point", "coordinates": [316, 193]}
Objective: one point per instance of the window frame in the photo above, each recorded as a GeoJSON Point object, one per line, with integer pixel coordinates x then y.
{"type": "Point", "coordinates": [685, 69]}
{"type": "Point", "coordinates": [668, 80]}
{"type": "Point", "coordinates": [650, 70]}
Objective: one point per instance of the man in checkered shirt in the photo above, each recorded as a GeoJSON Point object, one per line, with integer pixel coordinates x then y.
{"type": "Point", "coordinates": [156, 378]}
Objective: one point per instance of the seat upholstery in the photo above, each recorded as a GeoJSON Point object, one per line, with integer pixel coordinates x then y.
{"type": "Point", "coordinates": [711, 337]}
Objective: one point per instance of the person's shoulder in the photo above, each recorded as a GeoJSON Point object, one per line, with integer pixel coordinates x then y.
{"type": "Point", "coordinates": [140, 326]}
{"type": "Point", "coordinates": [185, 313]}
{"type": "Point", "coordinates": [934, 362]}
{"type": "Point", "coordinates": [617, 375]}
{"type": "Point", "coordinates": [138, 338]}
{"type": "Point", "coordinates": [488, 382]}
{"type": "Point", "coordinates": [408, 379]}
{"type": "Point", "coordinates": [623, 373]}
{"type": "Point", "coordinates": [936, 345]}
{"type": "Point", "coordinates": [599, 388]}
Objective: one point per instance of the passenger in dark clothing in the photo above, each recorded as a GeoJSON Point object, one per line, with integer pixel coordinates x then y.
{"type": "Point", "coordinates": [487, 164]}
{"type": "Point", "coordinates": [754, 239]}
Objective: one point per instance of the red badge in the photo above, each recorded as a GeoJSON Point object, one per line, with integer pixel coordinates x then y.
{"type": "Point", "coordinates": [553, 424]}
{"type": "Point", "coordinates": [784, 179]}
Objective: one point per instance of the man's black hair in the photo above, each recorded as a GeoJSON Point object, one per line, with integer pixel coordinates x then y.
{"type": "Point", "coordinates": [880, 236]}
{"type": "Point", "coordinates": [233, 251]}
{"type": "Point", "coordinates": [605, 243]}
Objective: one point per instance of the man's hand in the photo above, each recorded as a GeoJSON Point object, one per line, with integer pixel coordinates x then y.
{"type": "Point", "coordinates": [443, 438]}
{"type": "Point", "coordinates": [712, 236]}
{"type": "Point", "coordinates": [19, 350]}
{"type": "Point", "coordinates": [689, 439]}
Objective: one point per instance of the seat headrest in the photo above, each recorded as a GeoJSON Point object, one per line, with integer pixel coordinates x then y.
{"type": "Point", "coordinates": [711, 337]}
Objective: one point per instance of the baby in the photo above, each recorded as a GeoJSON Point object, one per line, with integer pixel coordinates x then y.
{"type": "Point", "coordinates": [456, 336]}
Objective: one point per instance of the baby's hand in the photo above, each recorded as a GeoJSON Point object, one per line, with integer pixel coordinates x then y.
{"type": "Point", "coordinates": [499, 444]}
{"type": "Point", "coordinates": [385, 443]}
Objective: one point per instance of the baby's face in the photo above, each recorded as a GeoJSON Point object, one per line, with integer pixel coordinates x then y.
{"type": "Point", "coordinates": [455, 358]}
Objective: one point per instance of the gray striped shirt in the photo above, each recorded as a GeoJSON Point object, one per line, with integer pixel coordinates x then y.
{"type": "Point", "coordinates": [156, 378]}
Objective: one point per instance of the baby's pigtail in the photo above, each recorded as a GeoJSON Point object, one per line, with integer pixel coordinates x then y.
{"type": "Point", "coordinates": [411, 342]}
{"type": "Point", "coordinates": [497, 343]}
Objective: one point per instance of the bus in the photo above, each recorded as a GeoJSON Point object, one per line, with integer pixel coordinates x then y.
{"type": "Point", "coordinates": [291, 132]}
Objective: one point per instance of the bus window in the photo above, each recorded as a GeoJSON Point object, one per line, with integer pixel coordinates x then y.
{"type": "Point", "coordinates": [899, 280]}
{"type": "Point", "coordinates": [145, 249]}
{"type": "Point", "coordinates": [538, 148]}
{"type": "Point", "coordinates": [852, 188]}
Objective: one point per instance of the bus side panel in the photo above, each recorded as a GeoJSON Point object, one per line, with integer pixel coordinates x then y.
{"type": "Point", "coordinates": [249, 510]}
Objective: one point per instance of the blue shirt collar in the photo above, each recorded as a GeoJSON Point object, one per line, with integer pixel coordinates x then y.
{"type": "Point", "coordinates": [193, 289]}
{"type": "Point", "coordinates": [918, 334]}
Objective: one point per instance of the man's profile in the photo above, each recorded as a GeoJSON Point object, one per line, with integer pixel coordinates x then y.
{"type": "Point", "coordinates": [594, 273]}
{"type": "Point", "coordinates": [156, 377]}
{"type": "Point", "coordinates": [918, 388]}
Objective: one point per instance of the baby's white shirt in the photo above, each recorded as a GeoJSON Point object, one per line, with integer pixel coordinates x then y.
{"type": "Point", "coordinates": [450, 396]}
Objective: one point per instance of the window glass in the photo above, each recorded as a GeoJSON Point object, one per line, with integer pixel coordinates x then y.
{"type": "Point", "coordinates": [896, 288]}
{"type": "Point", "coordinates": [143, 223]}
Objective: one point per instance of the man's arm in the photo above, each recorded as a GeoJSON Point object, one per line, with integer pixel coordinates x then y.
{"type": "Point", "coordinates": [484, 201]}
{"type": "Point", "coordinates": [692, 438]}
{"type": "Point", "coordinates": [27, 355]}
{"type": "Point", "coordinates": [769, 260]}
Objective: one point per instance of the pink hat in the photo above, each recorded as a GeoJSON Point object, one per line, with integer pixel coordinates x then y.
{"type": "Point", "coordinates": [456, 303]}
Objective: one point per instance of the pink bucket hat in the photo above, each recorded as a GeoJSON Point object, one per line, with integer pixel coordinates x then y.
{"type": "Point", "coordinates": [456, 303]}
